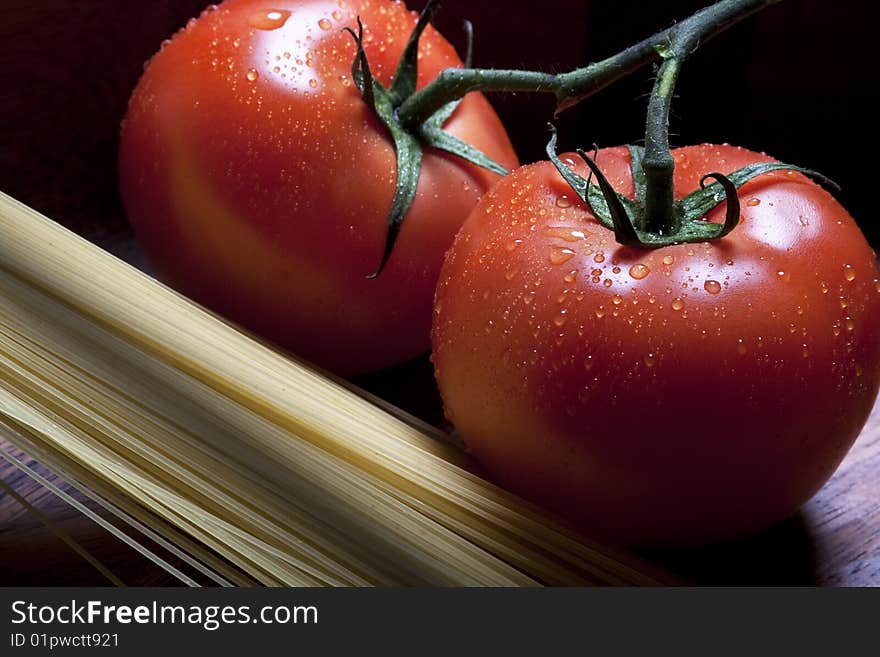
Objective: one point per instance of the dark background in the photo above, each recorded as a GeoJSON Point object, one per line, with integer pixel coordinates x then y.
{"type": "Point", "coordinates": [798, 81]}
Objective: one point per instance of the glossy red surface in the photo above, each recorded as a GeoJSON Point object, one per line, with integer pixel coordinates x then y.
{"type": "Point", "coordinates": [673, 396]}
{"type": "Point", "coordinates": [259, 183]}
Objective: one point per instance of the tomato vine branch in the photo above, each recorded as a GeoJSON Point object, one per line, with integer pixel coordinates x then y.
{"type": "Point", "coordinates": [574, 86]}
{"type": "Point", "coordinates": [657, 163]}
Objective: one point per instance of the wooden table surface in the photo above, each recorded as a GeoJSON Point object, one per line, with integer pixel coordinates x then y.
{"type": "Point", "coordinates": [833, 541]}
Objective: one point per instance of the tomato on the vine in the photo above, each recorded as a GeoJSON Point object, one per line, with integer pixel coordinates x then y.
{"type": "Point", "coordinates": [259, 182]}
{"type": "Point", "coordinates": [678, 395]}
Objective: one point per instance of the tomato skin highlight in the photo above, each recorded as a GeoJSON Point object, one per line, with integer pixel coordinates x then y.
{"type": "Point", "coordinates": [259, 183]}
{"type": "Point", "coordinates": [669, 397]}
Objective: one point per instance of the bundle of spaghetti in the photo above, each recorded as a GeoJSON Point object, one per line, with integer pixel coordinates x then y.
{"type": "Point", "coordinates": [287, 473]}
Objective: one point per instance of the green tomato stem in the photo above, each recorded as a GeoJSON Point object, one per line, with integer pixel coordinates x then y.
{"type": "Point", "coordinates": [661, 217]}
{"type": "Point", "coordinates": [657, 162]}
{"type": "Point", "coordinates": [572, 87]}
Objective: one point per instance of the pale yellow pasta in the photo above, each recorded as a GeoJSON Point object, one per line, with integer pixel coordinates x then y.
{"type": "Point", "coordinates": [291, 476]}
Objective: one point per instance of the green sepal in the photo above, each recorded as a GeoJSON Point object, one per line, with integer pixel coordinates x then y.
{"type": "Point", "coordinates": [431, 133]}
{"type": "Point", "coordinates": [614, 211]}
{"type": "Point", "coordinates": [626, 217]}
{"type": "Point", "coordinates": [409, 167]}
{"type": "Point", "coordinates": [697, 204]}
{"type": "Point", "coordinates": [623, 212]}
{"type": "Point", "coordinates": [732, 215]}
{"type": "Point", "coordinates": [408, 145]}
{"type": "Point", "coordinates": [403, 84]}
{"type": "Point", "coordinates": [360, 67]}
{"type": "Point", "coordinates": [469, 40]}
{"type": "Point", "coordinates": [578, 184]}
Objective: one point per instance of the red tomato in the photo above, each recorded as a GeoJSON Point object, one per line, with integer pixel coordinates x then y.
{"type": "Point", "coordinates": [259, 183]}
{"type": "Point", "coordinates": [676, 396]}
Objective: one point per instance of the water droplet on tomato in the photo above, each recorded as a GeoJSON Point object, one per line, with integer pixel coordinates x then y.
{"type": "Point", "coordinates": [639, 271]}
{"type": "Point", "coordinates": [252, 75]}
{"type": "Point", "coordinates": [560, 319]}
{"type": "Point", "coordinates": [599, 257]}
{"type": "Point", "coordinates": [850, 324]}
{"type": "Point", "coordinates": [741, 347]}
{"type": "Point", "coordinates": [712, 287]}
{"type": "Point", "coordinates": [325, 24]}
{"type": "Point", "coordinates": [566, 234]}
{"type": "Point", "coordinates": [271, 19]}
{"type": "Point", "coordinates": [563, 202]}
{"type": "Point", "coordinates": [600, 312]}
{"type": "Point", "coordinates": [677, 305]}
{"type": "Point", "coordinates": [337, 15]}
{"type": "Point", "coordinates": [588, 363]}
{"type": "Point", "coordinates": [313, 83]}
{"type": "Point", "coordinates": [752, 202]}
{"type": "Point", "coordinates": [649, 360]}
{"type": "Point", "coordinates": [849, 273]}
{"type": "Point", "coordinates": [236, 42]}
{"type": "Point", "coordinates": [572, 275]}
{"type": "Point", "coordinates": [560, 255]}
{"type": "Point", "coordinates": [512, 245]}
{"type": "Point", "coordinates": [511, 274]}
{"type": "Point", "coordinates": [823, 286]}
{"type": "Point", "coordinates": [843, 303]}
{"type": "Point", "coordinates": [617, 299]}
{"type": "Point", "coordinates": [607, 282]}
